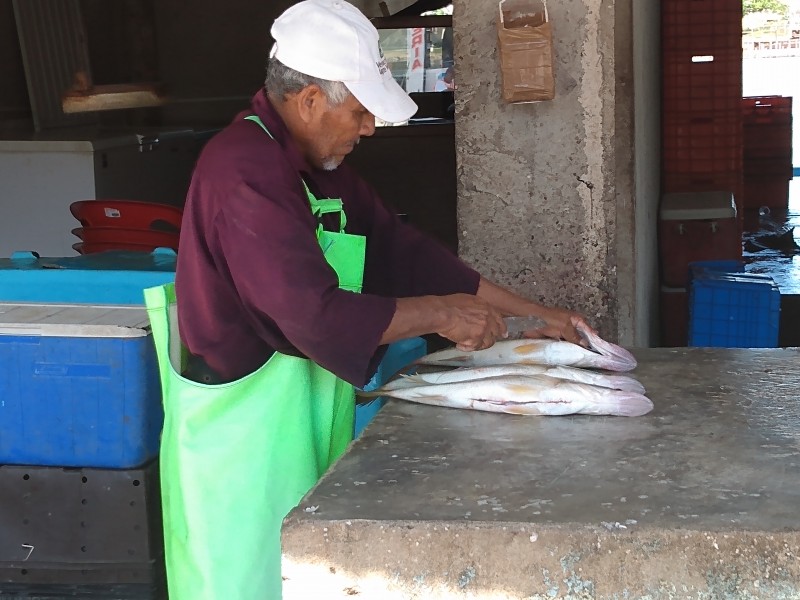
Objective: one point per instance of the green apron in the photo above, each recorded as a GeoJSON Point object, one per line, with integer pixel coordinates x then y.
{"type": "Point", "coordinates": [237, 457]}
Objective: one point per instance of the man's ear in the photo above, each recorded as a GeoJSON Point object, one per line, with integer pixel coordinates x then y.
{"type": "Point", "coordinates": [311, 102]}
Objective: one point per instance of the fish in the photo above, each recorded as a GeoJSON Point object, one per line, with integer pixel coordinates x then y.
{"type": "Point", "coordinates": [524, 395]}
{"type": "Point", "coordinates": [600, 354]}
{"type": "Point", "coordinates": [617, 382]}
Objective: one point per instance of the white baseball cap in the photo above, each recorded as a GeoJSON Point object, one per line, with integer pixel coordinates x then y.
{"type": "Point", "coordinates": [333, 40]}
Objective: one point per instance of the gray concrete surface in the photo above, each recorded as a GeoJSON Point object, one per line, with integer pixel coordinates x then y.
{"type": "Point", "coordinates": [698, 499]}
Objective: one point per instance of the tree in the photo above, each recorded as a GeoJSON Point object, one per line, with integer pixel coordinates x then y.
{"type": "Point", "coordinates": [754, 6]}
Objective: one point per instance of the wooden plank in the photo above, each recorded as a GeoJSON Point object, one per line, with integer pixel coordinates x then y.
{"type": "Point", "coordinates": [112, 97]}
{"type": "Point", "coordinates": [53, 44]}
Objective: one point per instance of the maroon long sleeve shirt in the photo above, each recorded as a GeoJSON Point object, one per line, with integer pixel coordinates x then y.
{"type": "Point", "coordinates": [251, 278]}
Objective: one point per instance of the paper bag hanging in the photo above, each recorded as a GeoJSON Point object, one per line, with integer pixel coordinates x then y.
{"type": "Point", "coordinates": [525, 42]}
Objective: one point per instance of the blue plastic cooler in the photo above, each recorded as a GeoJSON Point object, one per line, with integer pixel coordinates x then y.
{"type": "Point", "coordinates": [79, 386]}
{"type": "Point", "coordinates": [112, 277]}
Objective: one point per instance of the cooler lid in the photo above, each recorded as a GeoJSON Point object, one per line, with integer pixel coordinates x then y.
{"type": "Point", "coordinates": [73, 320]}
{"type": "Point", "coordinates": [688, 206]}
{"type": "Point", "coordinates": [160, 259]}
{"type": "Point", "coordinates": [742, 278]}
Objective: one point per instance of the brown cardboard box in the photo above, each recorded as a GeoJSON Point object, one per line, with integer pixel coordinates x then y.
{"type": "Point", "coordinates": [525, 44]}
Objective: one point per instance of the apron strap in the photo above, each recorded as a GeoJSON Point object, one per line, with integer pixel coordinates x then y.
{"type": "Point", "coordinates": [162, 310]}
{"type": "Point", "coordinates": [321, 206]}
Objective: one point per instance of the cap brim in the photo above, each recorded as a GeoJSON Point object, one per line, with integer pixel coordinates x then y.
{"type": "Point", "coordinates": [386, 100]}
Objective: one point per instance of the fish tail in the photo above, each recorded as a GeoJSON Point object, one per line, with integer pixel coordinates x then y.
{"type": "Point", "coordinates": [614, 363]}
{"type": "Point", "coordinates": [368, 396]}
{"type": "Point", "coordinates": [625, 383]}
{"type": "Point", "coordinates": [613, 357]}
{"type": "Point", "coordinates": [620, 404]}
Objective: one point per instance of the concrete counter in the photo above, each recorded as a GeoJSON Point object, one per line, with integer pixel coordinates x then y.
{"type": "Point", "coordinates": [698, 499]}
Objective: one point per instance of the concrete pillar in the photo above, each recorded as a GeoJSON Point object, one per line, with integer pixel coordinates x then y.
{"type": "Point", "coordinates": [545, 190]}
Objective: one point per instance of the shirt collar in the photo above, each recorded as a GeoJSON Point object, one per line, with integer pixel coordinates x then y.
{"type": "Point", "coordinates": [262, 107]}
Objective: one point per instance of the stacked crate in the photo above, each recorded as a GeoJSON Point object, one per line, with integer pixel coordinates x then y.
{"type": "Point", "coordinates": [693, 226]}
{"type": "Point", "coordinates": [80, 420]}
{"type": "Point", "coordinates": [767, 126]}
{"type": "Point", "coordinates": [701, 145]}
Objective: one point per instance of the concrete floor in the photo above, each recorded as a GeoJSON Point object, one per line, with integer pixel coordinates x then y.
{"type": "Point", "coordinates": [698, 499]}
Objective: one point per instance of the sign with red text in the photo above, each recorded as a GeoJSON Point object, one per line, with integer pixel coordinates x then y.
{"type": "Point", "coordinates": [415, 81]}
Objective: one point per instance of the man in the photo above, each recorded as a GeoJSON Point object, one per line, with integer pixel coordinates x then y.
{"type": "Point", "coordinates": [446, 81]}
{"type": "Point", "coordinates": [292, 277]}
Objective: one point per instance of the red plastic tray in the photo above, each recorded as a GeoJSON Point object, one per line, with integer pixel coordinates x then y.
{"type": "Point", "coordinates": [115, 235]}
{"type": "Point", "coordinates": [127, 214]}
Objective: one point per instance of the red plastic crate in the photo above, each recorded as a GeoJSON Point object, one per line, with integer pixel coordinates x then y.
{"type": "Point", "coordinates": [779, 168]}
{"type": "Point", "coordinates": [117, 235]}
{"type": "Point", "coordinates": [701, 25]}
{"type": "Point", "coordinates": [696, 226]}
{"type": "Point", "coordinates": [770, 191]}
{"type": "Point", "coordinates": [766, 109]}
{"type": "Point", "coordinates": [709, 83]}
{"type": "Point", "coordinates": [701, 143]}
{"type": "Point", "coordinates": [702, 182]}
{"type": "Point", "coordinates": [674, 313]}
{"type": "Point", "coordinates": [765, 140]}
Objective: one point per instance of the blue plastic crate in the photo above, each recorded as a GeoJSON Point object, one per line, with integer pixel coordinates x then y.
{"type": "Point", "coordinates": [79, 386]}
{"type": "Point", "coordinates": [112, 277]}
{"type": "Point", "coordinates": [703, 267]}
{"type": "Point", "coordinates": [398, 355]}
{"type": "Point", "coordinates": [733, 310]}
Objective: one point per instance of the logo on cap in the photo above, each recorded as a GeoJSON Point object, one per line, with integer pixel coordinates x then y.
{"type": "Point", "coordinates": [381, 64]}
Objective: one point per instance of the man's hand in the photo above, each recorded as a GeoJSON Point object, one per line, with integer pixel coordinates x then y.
{"type": "Point", "coordinates": [470, 322]}
{"type": "Point", "coordinates": [562, 324]}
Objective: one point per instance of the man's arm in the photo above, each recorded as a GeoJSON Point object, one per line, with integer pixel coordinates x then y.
{"type": "Point", "coordinates": [468, 320]}
{"type": "Point", "coordinates": [475, 322]}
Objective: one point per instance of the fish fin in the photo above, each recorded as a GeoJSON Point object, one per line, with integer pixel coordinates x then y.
{"type": "Point", "coordinates": [402, 382]}
{"type": "Point", "coordinates": [432, 359]}
{"type": "Point", "coordinates": [520, 409]}
{"type": "Point", "coordinates": [363, 397]}
{"type": "Point", "coordinates": [527, 348]}
{"type": "Point", "coordinates": [432, 400]}
{"type": "Point", "coordinates": [615, 382]}
{"type": "Point", "coordinates": [519, 389]}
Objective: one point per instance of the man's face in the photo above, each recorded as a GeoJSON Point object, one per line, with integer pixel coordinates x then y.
{"type": "Point", "coordinates": [337, 131]}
